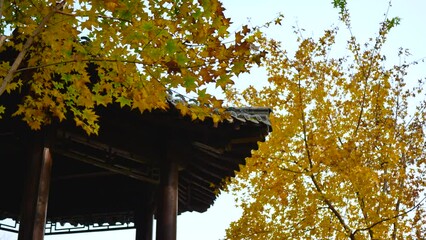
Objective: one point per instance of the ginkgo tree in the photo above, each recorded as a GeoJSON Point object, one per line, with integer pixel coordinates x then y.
{"type": "Point", "coordinates": [65, 58]}
{"type": "Point", "coordinates": [346, 158]}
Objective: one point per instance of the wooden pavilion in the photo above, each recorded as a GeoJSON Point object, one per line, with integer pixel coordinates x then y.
{"type": "Point", "coordinates": [140, 166]}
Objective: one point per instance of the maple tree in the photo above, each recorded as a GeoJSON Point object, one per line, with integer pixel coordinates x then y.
{"type": "Point", "coordinates": [346, 158]}
{"type": "Point", "coordinates": [67, 57]}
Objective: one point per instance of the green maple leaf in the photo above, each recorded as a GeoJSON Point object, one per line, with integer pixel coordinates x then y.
{"type": "Point", "coordinates": [171, 46]}
{"type": "Point", "coordinates": [189, 83]}
{"type": "Point", "coordinates": [124, 101]}
{"type": "Point", "coordinates": [239, 67]}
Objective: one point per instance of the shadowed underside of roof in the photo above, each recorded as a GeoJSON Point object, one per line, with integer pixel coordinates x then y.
{"type": "Point", "coordinates": [106, 178]}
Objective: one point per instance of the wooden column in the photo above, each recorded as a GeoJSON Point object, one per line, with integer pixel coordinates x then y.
{"type": "Point", "coordinates": [36, 193]}
{"type": "Point", "coordinates": [167, 207]}
{"type": "Point", "coordinates": [144, 218]}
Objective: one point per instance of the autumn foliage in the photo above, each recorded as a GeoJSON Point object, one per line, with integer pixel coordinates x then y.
{"type": "Point", "coordinates": [138, 52]}
{"type": "Point", "coordinates": [346, 158]}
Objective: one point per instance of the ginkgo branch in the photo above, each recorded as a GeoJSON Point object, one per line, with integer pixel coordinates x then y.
{"type": "Point", "coordinates": [390, 218]}
{"type": "Point", "coordinates": [361, 111]}
{"type": "Point", "coordinates": [331, 207]}
{"type": "Point", "coordinates": [364, 214]}
{"type": "Point", "coordinates": [9, 77]}
{"type": "Point", "coordinates": [258, 233]}
{"type": "Point", "coordinates": [339, 139]}
{"type": "Point", "coordinates": [312, 176]}
{"type": "Point", "coordinates": [292, 171]}
{"type": "Point", "coordinates": [373, 55]}
{"type": "Point", "coordinates": [395, 224]}
{"type": "Point", "coordinates": [302, 112]}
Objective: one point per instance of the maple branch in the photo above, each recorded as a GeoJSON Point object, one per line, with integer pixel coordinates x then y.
{"type": "Point", "coordinates": [79, 60]}
{"type": "Point", "coordinates": [99, 16]}
{"type": "Point", "coordinates": [1, 10]}
{"type": "Point", "coordinates": [2, 37]}
{"type": "Point", "coordinates": [389, 218]}
{"type": "Point", "coordinates": [95, 60]}
{"type": "Point", "coordinates": [27, 45]}
{"type": "Point", "coordinates": [2, 40]}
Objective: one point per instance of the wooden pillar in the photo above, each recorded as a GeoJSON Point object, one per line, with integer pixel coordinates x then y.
{"type": "Point", "coordinates": [144, 218]}
{"type": "Point", "coordinates": [36, 193]}
{"type": "Point", "coordinates": [167, 207]}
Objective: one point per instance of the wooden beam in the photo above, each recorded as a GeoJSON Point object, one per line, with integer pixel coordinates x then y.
{"type": "Point", "coordinates": [85, 175]}
{"type": "Point", "coordinates": [36, 194]}
{"type": "Point", "coordinates": [98, 162]}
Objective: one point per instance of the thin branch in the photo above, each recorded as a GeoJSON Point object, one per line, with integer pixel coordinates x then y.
{"type": "Point", "coordinates": [27, 45]}
{"type": "Point", "coordinates": [395, 224]}
{"type": "Point", "coordinates": [2, 37]}
{"type": "Point", "coordinates": [417, 60]}
{"type": "Point", "coordinates": [1, 11]}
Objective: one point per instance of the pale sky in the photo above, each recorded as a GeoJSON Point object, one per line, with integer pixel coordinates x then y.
{"type": "Point", "coordinates": [314, 16]}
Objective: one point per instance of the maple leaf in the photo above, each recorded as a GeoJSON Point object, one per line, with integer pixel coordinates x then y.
{"type": "Point", "coordinates": [278, 21]}
{"type": "Point", "coordinates": [59, 113]}
{"type": "Point", "coordinates": [223, 81]}
{"type": "Point", "coordinates": [184, 109]}
{"type": "Point", "coordinates": [171, 44]}
{"type": "Point", "coordinates": [172, 67]}
{"type": "Point", "coordinates": [111, 4]}
{"type": "Point", "coordinates": [238, 37]}
{"type": "Point", "coordinates": [2, 109]}
{"type": "Point", "coordinates": [124, 101]}
{"type": "Point", "coordinates": [239, 67]}
{"type": "Point", "coordinates": [189, 82]}
{"type": "Point", "coordinates": [246, 30]}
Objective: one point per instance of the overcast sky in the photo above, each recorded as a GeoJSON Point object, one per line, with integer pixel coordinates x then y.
{"type": "Point", "coordinates": [314, 16]}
